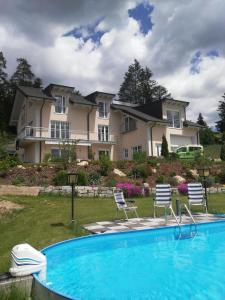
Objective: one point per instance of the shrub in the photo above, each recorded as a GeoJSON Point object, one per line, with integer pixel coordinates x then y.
{"type": "Point", "coordinates": [160, 179]}
{"type": "Point", "coordinates": [129, 189]}
{"type": "Point", "coordinates": [172, 181]}
{"type": "Point", "coordinates": [182, 188]}
{"type": "Point", "coordinates": [94, 178]}
{"type": "Point", "coordinates": [221, 177]}
{"type": "Point", "coordinates": [82, 178]}
{"type": "Point", "coordinates": [152, 162]}
{"type": "Point", "coordinates": [164, 150]}
{"type": "Point", "coordinates": [140, 156]}
{"type": "Point", "coordinates": [47, 157]}
{"type": "Point", "coordinates": [105, 165]}
{"type": "Point", "coordinates": [210, 181]}
{"type": "Point", "coordinates": [173, 156]}
{"type": "Point", "coordinates": [61, 178]}
{"type": "Point", "coordinates": [18, 180]}
{"type": "Point", "coordinates": [140, 172]}
{"type": "Point", "coordinates": [121, 164]}
{"type": "Point", "coordinates": [111, 182]}
{"type": "Point", "coordinates": [9, 161]}
{"type": "Point", "coordinates": [222, 152]}
{"type": "Point", "coordinates": [172, 174]}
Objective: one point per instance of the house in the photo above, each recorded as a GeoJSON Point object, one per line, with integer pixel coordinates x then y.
{"type": "Point", "coordinates": [47, 119]}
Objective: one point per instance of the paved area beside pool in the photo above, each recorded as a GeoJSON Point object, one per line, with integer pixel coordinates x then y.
{"type": "Point", "coordinates": [145, 223]}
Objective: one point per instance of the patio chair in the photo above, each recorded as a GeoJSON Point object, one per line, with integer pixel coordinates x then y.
{"type": "Point", "coordinates": [196, 195]}
{"type": "Point", "coordinates": [163, 198]}
{"type": "Point", "coordinates": [122, 205]}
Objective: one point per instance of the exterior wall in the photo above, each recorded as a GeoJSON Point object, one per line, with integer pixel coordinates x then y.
{"type": "Point", "coordinates": [133, 138]}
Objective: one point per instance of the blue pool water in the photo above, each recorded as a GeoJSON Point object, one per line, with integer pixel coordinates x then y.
{"type": "Point", "coordinates": [148, 264]}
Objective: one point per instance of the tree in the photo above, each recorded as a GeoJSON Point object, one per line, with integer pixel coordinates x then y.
{"type": "Point", "coordinates": [139, 87]}
{"type": "Point", "coordinates": [37, 83]}
{"type": "Point", "coordinates": [222, 152]}
{"type": "Point", "coordinates": [200, 120]}
{"type": "Point", "coordinates": [221, 111]}
{"type": "Point", "coordinates": [206, 136]}
{"type": "Point", "coordinates": [3, 92]}
{"type": "Point", "coordinates": [164, 150]}
{"type": "Point", "coordinates": [23, 74]}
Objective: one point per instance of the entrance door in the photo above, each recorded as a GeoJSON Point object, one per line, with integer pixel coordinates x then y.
{"type": "Point", "coordinates": [158, 149]}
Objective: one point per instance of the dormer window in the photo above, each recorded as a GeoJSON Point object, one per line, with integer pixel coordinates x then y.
{"type": "Point", "coordinates": [173, 118]}
{"type": "Point", "coordinates": [60, 104]}
{"type": "Point", "coordinates": [103, 110]}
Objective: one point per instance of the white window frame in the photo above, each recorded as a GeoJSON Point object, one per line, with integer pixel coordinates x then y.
{"type": "Point", "coordinates": [125, 153]}
{"type": "Point", "coordinates": [127, 123]}
{"type": "Point", "coordinates": [103, 111]}
{"type": "Point", "coordinates": [60, 129]}
{"type": "Point", "coordinates": [172, 112]}
{"type": "Point", "coordinates": [103, 133]}
{"type": "Point", "coordinates": [137, 148]}
{"type": "Point", "coordinates": [59, 152]}
{"type": "Point", "coordinates": [60, 104]}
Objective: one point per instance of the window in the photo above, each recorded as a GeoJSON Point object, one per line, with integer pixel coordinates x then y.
{"type": "Point", "coordinates": [129, 124]}
{"type": "Point", "coordinates": [125, 153]}
{"type": "Point", "coordinates": [60, 153]}
{"type": "Point", "coordinates": [59, 130]}
{"type": "Point", "coordinates": [182, 149]}
{"type": "Point", "coordinates": [103, 133]}
{"type": "Point", "coordinates": [103, 109]}
{"type": "Point", "coordinates": [136, 149]}
{"type": "Point", "coordinates": [103, 152]}
{"type": "Point", "coordinates": [60, 104]}
{"type": "Point", "coordinates": [173, 118]}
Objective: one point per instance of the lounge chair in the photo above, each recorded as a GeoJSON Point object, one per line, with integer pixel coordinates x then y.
{"type": "Point", "coordinates": [122, 205]}
{"type": "Point", "coordinates": [196, 195]}
{"type": "Point", "coordinates": [163, 198]}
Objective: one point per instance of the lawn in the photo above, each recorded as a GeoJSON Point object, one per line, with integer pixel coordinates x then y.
{"type": "Point", "coordinates": [45, 219]}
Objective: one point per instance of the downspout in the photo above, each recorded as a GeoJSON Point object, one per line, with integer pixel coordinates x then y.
{"type": "Point", "coordinates": [40, 143]}
{"type": "Point", "coordinates": [151, 142]}
{"type": "Point", "coordinates": [88, 127]}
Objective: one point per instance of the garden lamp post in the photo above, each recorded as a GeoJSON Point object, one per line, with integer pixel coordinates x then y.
{"type": "Point", "coordinates": [204, 172]}
{"type": "Point", "coordinates": [72, 180]}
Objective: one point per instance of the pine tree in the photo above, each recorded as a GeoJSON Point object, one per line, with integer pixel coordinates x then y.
{"type": "Point", "coordinates": [23, 74]}
{"type": "Point", "coordinates": [37, 83]}
{"type": "Point", "coordinates": [129, 89]}
{"type": "Point", "coordinates": [221, 110]}
{"type": "Point", "coordinates": [139, 87]}
{"type": "Point", "coordinates": [3, 93]}
{"type": "Point", "coordinates": [200, 120]}
{"type": "Point", "coordinates": [222, 152]}
{"type": "Point", "coordinates": [164, 150]}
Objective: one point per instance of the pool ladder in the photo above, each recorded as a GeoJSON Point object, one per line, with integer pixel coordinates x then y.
{"type": "Point", "coordinates": [185, 235]}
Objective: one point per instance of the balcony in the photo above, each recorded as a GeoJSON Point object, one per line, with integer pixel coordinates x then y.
{"type": "Point", "coordinates": [45, 134]}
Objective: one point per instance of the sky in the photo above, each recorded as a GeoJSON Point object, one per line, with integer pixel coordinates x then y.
{"type": "Point", "coordinates": [89, 44]}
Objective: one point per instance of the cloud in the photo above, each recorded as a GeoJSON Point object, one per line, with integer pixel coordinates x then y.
{"type": "Point", "coordinates": [184, 48]}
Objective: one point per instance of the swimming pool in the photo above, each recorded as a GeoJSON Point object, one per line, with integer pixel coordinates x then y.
{"type": "Point", "coordinates": [147, 264]}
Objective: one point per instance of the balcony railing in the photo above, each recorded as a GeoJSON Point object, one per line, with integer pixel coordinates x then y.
{"type": "Point", "coordinates": [41, 133]}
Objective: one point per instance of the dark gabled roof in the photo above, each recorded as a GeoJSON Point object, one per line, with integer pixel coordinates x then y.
{"type": "Point", "coordinates": [192, 124]}
{"type": "Point", "coordinates": [136, 113]}
{"type": "Point", "coordinates": [78, 99]}
{"type": "Point", "coordinates": [98, 92]}
{"type": "Point", "coordinates": [30, 91]}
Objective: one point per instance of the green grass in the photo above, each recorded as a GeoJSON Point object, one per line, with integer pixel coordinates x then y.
{"type": "Point", "coordinates": [45, 219]}
{"type": "Point", "coordinates": [212, 151]}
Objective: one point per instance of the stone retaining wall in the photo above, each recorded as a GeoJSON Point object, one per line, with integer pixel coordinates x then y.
{"type": "Point", "coordinates": [82, 191]}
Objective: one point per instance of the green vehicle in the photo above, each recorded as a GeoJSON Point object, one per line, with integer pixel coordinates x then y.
{"type": "Point", "coordinates": [189, 151]}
